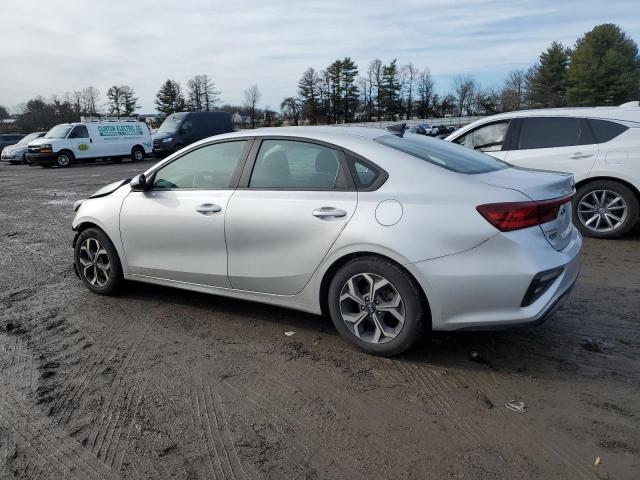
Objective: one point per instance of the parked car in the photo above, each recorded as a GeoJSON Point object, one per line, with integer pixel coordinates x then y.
{"type": "Point", "coordinates": [599, 146]}
{"type": "Point", "coordinates": [7, 139]}
{"type": "Point", "coordinates": [181, 129]}
{"type": "Point", "coordinates": [442, 237]}
{"type": "Point", "coordinates": [17, 153]}
{"type": "Point", "coordinates": [419, 129]}
{"type": "Point", "coordinates": [67, 143]}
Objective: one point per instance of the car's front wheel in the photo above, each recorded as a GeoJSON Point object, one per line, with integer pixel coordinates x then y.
{"type": "Point", "coordinates": [605, 209]}
{"type": "Point", "coordinates": [97, 262]}
{"type": "Point", "coordinates": [64, 159]}
{"type": "Point", "coordinates": [376, 306]}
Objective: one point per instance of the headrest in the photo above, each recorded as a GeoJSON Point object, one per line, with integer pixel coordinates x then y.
{"type": "Point", "coordinates": [325, 161]}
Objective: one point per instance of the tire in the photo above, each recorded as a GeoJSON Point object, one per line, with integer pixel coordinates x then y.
{"type": "Point", "coordinates": [137, 154]}
{"type": "Point", "coordinates": [64, 159]}
{"type": "Point", "coordinates": [618, 210]}
{"type": "Point", "coordinates": [357, 275]}
{"type": "Point", "coordinates": [91, 268]}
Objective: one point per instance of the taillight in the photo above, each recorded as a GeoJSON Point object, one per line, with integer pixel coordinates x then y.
{"type": "Point", "coordinates": [508, 216]}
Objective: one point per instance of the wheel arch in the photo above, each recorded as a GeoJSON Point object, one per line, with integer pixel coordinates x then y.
{"type": "Point", "coordinates": [627, 184]}
{"type": "Point", "coordinates": [338, 263]}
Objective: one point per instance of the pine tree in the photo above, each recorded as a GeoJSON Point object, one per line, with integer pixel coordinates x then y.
{"type": "Point", "coordinates": [169, 98]}
{"type": "Point", "coordinates": [605, 68]}
{"type": "Point", "coordinates": [350, 91]}
{"type": "Point", "coordinates": [309, 91]}
{"type": "Point", "coordinates": [129, 100]}
{"type": "Point", "coordinates": [390, 89]}
{"type": "Point", "coordinates": [547, 84]}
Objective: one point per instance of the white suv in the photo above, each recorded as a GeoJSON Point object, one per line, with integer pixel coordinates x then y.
{"type": "Point", "coordinates": [600, 146]}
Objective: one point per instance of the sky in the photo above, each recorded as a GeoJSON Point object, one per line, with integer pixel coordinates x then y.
{"type": "Point", "coordinates": [49, 47]}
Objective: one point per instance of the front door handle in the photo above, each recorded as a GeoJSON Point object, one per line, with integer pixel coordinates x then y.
{"type": "Point", "coordinates": [329, 212]}
{"type": "Point", "coordinates": [578, 155]}
{"type": "Point", "coordinates": [208, 208]}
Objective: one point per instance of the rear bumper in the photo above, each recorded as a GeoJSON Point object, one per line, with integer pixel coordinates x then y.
{"type": "Point", "coordinates": [483, 288]}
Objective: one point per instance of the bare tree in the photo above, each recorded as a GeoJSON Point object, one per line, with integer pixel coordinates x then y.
{"type": "Point", "coordinates": [292, 108]}
{"type": "Point", "coordinates": [411, 73]}
{"type": "Point", "coordinates": [90, 100]}
{"type": "Point", "coordinates": [465, 87]}
{"type": "Point", "coordinates": [514, 92]}
{"type": "Point", "coordinates": [251, 99]}
{"type": "Point", "coordinates": [201, 94]}
{"type": "Point", "coordinates": [425, 93]}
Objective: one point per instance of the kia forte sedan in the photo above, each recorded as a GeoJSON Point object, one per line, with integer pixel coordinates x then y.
{"type": "Point", "coordinates": [388, 234]}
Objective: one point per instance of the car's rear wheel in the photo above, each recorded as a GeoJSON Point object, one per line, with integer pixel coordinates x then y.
{"type": "Point", "coordinates": [376, 306]}
{"type": "Point", "coordinates": [64, 159]}
{"type": "Point", "coordinates": [137, 154]}
{"type": "Point", "coordinates": [97, 262]}
{"type": "Point", "coordinates": [605, 209]}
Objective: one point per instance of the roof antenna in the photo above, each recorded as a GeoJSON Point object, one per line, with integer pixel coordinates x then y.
{"type": "Point", "coordinates": [398, 129]}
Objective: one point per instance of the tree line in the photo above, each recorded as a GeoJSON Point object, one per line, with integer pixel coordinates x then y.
{"type": "Point", "coordinates": [601, 68]}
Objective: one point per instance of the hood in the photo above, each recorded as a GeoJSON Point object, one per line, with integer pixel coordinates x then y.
{"type": "Point", "coordinates": [108, 189]}
{"type": "Point", "coordinates": [535, 184]}
{"type": "Point", "coordinates": [14, 148]}
{"type": "Point", "coordinates": [42, 140]}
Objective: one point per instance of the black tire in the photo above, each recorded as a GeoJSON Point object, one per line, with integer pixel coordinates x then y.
{"type": "Point", "coordinates": [64, 159]}
{"type": "Point", "coordinates": [138, 154]}
{"type": "Point", "coordinates": [93, 276]}
{"type": "Point", "coordinates": [415, 311]}
{"type": "Point", "coordinates": [584, 193]}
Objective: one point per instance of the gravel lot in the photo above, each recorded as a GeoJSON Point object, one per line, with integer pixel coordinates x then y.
{"type": "Point", "coordinates": [161, 383]}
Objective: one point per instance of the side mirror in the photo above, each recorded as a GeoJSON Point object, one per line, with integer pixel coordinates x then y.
{"type": "Point", "coordinates": [139, 183]}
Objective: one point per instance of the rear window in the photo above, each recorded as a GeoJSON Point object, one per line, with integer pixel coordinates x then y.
{"type": "Point", "coordinates": [605, 130]}
{"type": "Point", "coordinates": [443, 154]}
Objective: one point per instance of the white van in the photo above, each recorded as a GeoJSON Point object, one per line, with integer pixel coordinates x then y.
{"type": "Point", "coordinates": [599, 145]}
{"type": "Point", "coordinates": [70, 142]}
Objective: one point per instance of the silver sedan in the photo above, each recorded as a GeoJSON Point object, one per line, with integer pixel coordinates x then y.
{"type": "Point", "coordinates": [389, 234]}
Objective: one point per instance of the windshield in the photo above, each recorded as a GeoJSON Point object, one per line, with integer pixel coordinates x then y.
{"type": "Point", "coordinates": [28, 138]}
{"type": "Point", "coordinates": [443, 154]}
{"type": "Point", "coordinates": [59, 131]}
{"type": "Point", "coordinates": [170, 125]}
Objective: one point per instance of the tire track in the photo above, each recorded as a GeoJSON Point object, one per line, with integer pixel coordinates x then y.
{"type": "Point", "coordinates": [266, 408]}
{"type": "Point", "coordinates": [198, 425]}
{"type": "Point", "coordinates": [122, 390]}
{"type": "Point", "coordinates": [219, 407]}
{"type": "Point", "coordinates": [45, 440]}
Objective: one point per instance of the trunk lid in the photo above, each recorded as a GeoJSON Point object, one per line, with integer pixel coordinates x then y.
{"type": "Point", "coordinates": [540, 185]}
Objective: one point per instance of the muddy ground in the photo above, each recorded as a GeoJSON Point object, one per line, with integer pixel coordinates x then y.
{"type": "Point", "coordinates": [161, 383]}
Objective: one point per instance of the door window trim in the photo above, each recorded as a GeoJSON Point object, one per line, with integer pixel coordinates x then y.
{"type": "Point", "coordinates": [235, 176]}
{"type": "Point", "coordinates": [344, 173]}
{"type": "Point", "coordinates": [347, 162]}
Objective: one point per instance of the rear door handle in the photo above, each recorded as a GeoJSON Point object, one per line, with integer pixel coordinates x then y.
{"type": "Point", "coordinates": [580, 155]}
{"type": "Point", "coordinates": [329, 212]}
{"type": "Point", "coordinates": [208, 209]}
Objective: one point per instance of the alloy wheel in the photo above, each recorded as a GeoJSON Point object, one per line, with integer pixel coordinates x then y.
{"type": "Point", "coordinates": [602, 210]}
{"type": "Point", "coordinates": [95, 262]}
{"type": "Point", "coordinates": [372, 308]}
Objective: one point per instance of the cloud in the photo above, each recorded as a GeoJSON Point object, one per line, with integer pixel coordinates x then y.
{"type": "Point", "coordinates": [64, 45]}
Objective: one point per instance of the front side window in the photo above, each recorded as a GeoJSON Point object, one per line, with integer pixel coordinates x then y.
{"type": "Point", "coordinates": [80, 131]}
{"type": "Point", "coordinates": [443, 154]}
{"type": "Point", "coordinates": [550, 132]}
{"type": "Point", "coordinates": [488, 138]}
{"type": "Point", "coordinates": [295, 165]}
{"type": "Point", "coordinates": [208, 167]}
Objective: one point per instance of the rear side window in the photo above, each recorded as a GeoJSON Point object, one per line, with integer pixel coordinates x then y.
{"type": "Point", "coordinates": [605, 130]}
{"type": "Point", "coordinates": [550, 132]}
{"type": "Point", "coordinates": [443, 154]}
{"type": "Point", "coordinates": [296, 165]}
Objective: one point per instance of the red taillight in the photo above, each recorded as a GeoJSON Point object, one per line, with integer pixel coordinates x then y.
{"type": "Point", "coordinates": [509, 216]}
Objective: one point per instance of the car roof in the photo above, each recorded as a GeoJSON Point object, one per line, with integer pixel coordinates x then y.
{"type": "Point", "coordinates": [315, 133]}
{"type": "Point", "coordinates": [625, 113]}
